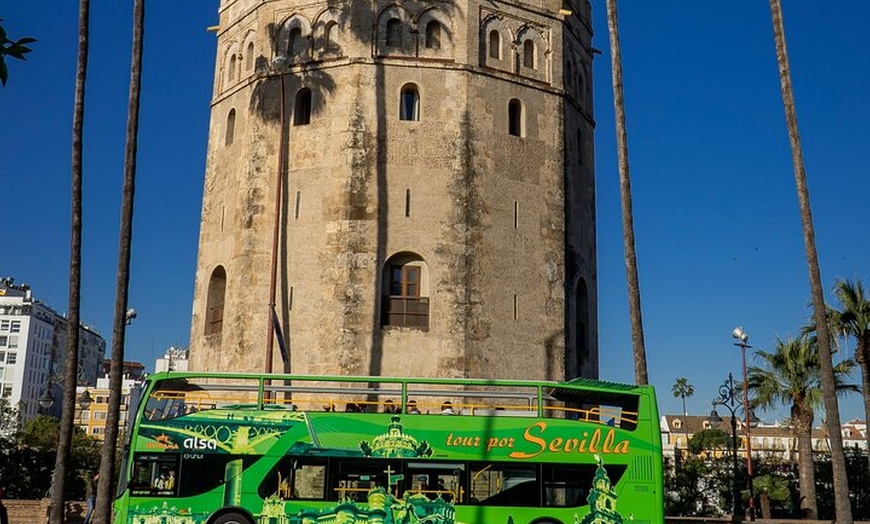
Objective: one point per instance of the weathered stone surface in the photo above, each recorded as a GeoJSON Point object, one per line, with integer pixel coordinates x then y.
{"type": "Point", "coordinates": [501, 228]}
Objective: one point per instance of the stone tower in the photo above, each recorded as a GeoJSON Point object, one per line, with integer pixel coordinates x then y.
{"type": "Point", "coordinates": [431, 162]}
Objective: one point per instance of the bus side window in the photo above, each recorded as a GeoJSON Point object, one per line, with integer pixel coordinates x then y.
{"type": "Point", "coordinates": [154, 475]}
{"type": "Point", "coordinates": [495, 484]}
{"type": "Point", "coordinates": [294, 478]}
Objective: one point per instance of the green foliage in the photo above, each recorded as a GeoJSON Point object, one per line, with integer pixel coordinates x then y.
{"type": "Point", "coordinates": [859, 484]}
{"type": "Point", "coordinates": [709, 440]}
{"type": "Point", "coordinates": [689, 489]}
{"type": "Point", "coordinates": [27, 460]}
{"type": "Point", "coordinates": [12, 48]}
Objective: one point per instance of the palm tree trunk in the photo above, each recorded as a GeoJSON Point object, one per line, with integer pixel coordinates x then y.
{"type": "Point", "coordinates": [861, 356]}
{"type": "Point", "coordinates": [637, 344]}
{"type": "Point", "coordinates": [832, 408]}
{"type": "Point", "coordinates": [764, 498]}
{"type": "Point", "coordinates": [803, 428]}
{"type": "Point", "coordinates": [103, 511]}
{"type": "Point", "coordinates": [71, 363]}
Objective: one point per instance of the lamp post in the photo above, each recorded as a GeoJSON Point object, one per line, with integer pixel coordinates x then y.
{"type": "Point", "coordinates": [726, 399]}
{"type": "Point", "coordinates": [279, 66]}
{"type": "Point", "coordinates": [742, 342]}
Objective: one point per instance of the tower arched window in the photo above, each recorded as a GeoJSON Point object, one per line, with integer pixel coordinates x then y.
{"type": "Point", "coordinates": [529, 54]}
{"type": "Point", "coordinates": [249, 57]}
{"type": "Point", "coordinates": [433, 35]}
{"type": "Point", "coordinates": [409, 103]}
{"type": "Point", "coordinates": [405, 301]}
{"type": "Point", "coordinates": [214, 309]}
{"type": "Point", "coordinates": [394, 32]}
{"type": "Point", "coordinates": [329, 33]}
{"type": "Point", "coordinates": [232, 73]}
{"type": "Point", "coordinates": [230, 131]}
{"type": "Point", "coordinates": [495, 44]}
{"type": "Point", "coordinates": [302, 107]}
{"type": "Point", "coordinates": [294, 43]}
{"type": "Point", "coordinates": [515, 118]}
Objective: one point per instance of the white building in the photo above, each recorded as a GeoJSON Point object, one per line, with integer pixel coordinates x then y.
{"type": "Point", "coordinates": [175, 359]}
{"type": "Point", "coordinates": [766, 439]}
{"type": "Point", "coordinates": [33, 347]}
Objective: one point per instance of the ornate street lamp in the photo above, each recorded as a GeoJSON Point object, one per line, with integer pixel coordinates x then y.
{"type": "Point", "coordinates": [726, 399]}
{"type": "Point", "coordinates": [46, 400]}
{"type": "Point", "coordinates": [85, 400]}
{"type": "Point", "coordinates": [742, 342]}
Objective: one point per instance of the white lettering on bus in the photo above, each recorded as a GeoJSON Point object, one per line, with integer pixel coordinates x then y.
{"type": "Point", "coordinates": [198, 443]}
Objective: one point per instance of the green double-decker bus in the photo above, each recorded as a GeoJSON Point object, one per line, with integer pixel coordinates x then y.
{"type": "Point", "coordinates": [221, 448]}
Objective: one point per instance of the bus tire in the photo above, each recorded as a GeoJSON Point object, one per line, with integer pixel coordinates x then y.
{"type": "Point", "coordinates": [232, 518]}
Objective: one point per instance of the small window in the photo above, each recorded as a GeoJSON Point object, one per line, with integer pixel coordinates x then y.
{"type": "Point", "coordinates": [329, 36]}
{"type": "Point", "coordinates": [394, 32]}
{"type": "Point", "coordinates": [581, 146]}
{"type": "Point", "coordinates": [495, 45]}
{"type": "Point", "coordinates": [405, 302]}
{"type": "Point", "coordinates": [409, 104]}
{"type": "Point", "coordinates": [3, 341]}
{"type": "Point", "coordinates": [294, 43]}
{"type": "Point", "coordinates": [11, 358]}
{"type": "Point", "coordinates": [529, 55]}
{"type": "Point", "coordinates": [433, 35]}
{"type": "Point", "coordinates": [215, 301]}
{"type": "Point", "coordinates": [249, 57]}
{"type": "Point", "coordinates": [515, 118]}
{"type": "Point", "coordinates": [232, 75]}
{"type": "Point", "coordinates": [15, 327]}
{"type": "Point", "coordinates": [405, 281]}
{"type": "Point", "coordinates": [231, 127]}
{"type": "Point", "coordinates": [302, 108]}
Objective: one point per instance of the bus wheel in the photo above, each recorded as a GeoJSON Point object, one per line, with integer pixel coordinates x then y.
{"type": "Point", "coordinates": [232, 518]}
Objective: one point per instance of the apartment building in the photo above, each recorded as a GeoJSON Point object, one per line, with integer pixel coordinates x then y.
{"type": "Point", "coordinates": [33, 346]}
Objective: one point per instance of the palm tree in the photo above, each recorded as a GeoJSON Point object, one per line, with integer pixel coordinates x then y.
{"type": "Point", "coordinates": [683, 389]}
{"type": "Point", "coordinates": [853, 319]}
{"type": "Point", "coordinates": [842, 504]}
{"type": "Point", "coordinates": [70, 373]}
{"type": "Point", "coordinates": [103, 510]}
{"type": "Point", "coordinates": [791, 376]}
{"type": "Point", "coordinates": [637, 344]}
{"type": "Point", "coordinates": [770, 488]}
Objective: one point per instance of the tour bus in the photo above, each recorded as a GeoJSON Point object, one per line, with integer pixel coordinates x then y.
{"type": "Point", "coordinates": [229, 448]}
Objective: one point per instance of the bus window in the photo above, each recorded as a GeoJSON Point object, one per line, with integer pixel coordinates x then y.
{"type": "Point", "coordinates": [567, 485]}
{"type": "Point", "coordinates": [154, 475]}
{"type": "Point", "coordinates": [494, 484]}
{"type": "Point", "coordinates": [294, 478]}
{"type": "Point", "coordinates": [355, 479]}
{"type": "Point", "coordinates": [435, 480]}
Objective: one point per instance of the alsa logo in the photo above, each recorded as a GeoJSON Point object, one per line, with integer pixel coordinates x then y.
{"type": "Point", "coordinates": [198, 443]}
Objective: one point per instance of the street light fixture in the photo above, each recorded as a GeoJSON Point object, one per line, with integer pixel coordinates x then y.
{"type": "Point", "coordinates": [46, 400]}
{"type": "Point", "coordinates": [742, 338]}
{"type": "Point", "coordinates": [85, 400]}
{"type": "Point", "coordinates": [726, 399]}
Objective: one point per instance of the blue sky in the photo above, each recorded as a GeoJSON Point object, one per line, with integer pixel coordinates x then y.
{"type": "Point", "coordinates": [718, 231]}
